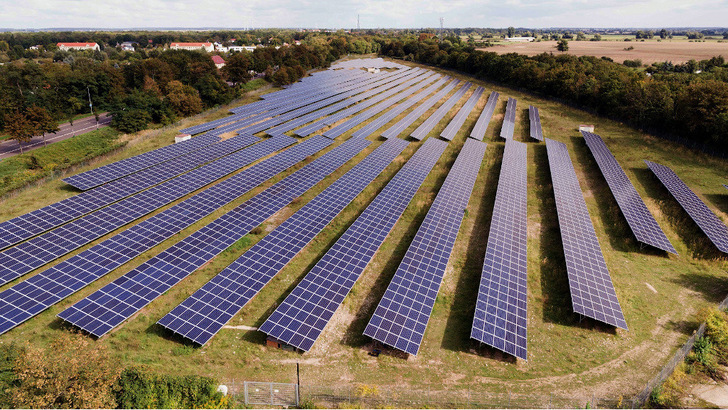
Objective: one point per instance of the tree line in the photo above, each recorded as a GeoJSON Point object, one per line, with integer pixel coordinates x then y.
{"type": "Point", "coordinates": [676, 103]}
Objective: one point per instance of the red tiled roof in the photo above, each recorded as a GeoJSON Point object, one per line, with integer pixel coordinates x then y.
{"type": "Point", "coordinates": [76, 44]}
{"type": "Point", "coordinates": [217, 59]}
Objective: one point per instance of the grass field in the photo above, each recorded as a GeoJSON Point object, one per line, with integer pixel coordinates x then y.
{"type": "Point", "coordinates": [568, 357]}
{"type": "Point", "coordinates": [650, 51]}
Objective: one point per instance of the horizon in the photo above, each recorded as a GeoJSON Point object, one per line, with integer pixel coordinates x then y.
{"type": "Point", "coordinates": [373, 14]}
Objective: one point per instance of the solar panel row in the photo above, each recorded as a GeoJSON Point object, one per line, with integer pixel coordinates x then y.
{"type": "Point", "coordinates": [535, 130]}
{"type": "Point", "coordinates": [509, 120]}
{"type": "Point", "coordinates": [640, 220]}
{"type": "Point", "coordinates": [418, 112]}
{"type": "Point", "coordinates": [114, 303]}
{"type": "Point", "coordinates": [481, 125]}
{"type": "Point", "coordinates": [95, 177]}
{"type": "Point", "coordinates": [305, 312]}
{"type": "Point", "coordinates": [402, 315]}
{"type": "Point", "coordinates": [203, 314]}
{"type": "Point", "coordinates": [370, 128]}
{"type": "Point", "coordinates": [500, 312]}
{"type": "Point", "coordinates": [51, 245]}
{"type": "Point", "coordinates": [457, 122]}
{"type": "Point", "coordinates": [377, 109]}
{"type": "Point", "coordinates": [708, 222]}
{"type": "Point", "coordinates": [28, 298]}
{"type": "Point", "coordinates": [424, 129]}
{"type": "Point", "coordinates": [592, 291]}
{"type": "Point", "coordinates": [33, 223]}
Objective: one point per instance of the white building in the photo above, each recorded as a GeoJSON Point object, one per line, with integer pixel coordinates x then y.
{"type": "Point", "coordinates": [239, 49]}
{"type": "Point", "coordinates": [521, 39]}
{"type": "Point", "coordinates": [78, 46]}
{"type": "Point", "coordinates": [192, 46]}
{"type": "Point", "coordinates": [127, 46]}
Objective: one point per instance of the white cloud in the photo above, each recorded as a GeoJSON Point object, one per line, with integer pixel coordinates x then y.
{"type": "Point", "coordinates": [374, 13]}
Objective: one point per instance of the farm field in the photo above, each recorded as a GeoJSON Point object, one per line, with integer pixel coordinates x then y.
{"type": "Point", "coordinates": [570, 358]}
{"type": "Point", "coordinates": [677, 51]}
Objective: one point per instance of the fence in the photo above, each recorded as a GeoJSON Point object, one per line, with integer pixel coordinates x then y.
{"type": "Point", "coordinates": [678, 358]}
{"type": "Point", "coordinates": [378, 396]}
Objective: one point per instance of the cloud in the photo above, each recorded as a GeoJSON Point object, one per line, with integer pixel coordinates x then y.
{"type": "Point", "coordinates": [374, 13]}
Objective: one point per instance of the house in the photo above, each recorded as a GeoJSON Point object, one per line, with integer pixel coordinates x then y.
{"type": "Point", "coordinates": [241, 48]}
{"type": "Point", "coordinates": [36, 47]}
{"type": "Point", "coordinates": [219, 62]}
{"type": "Point", "coordinates": [192, 46]}
{"type": "Point", "coordinates": [78, 46]}
{"type": "Point", "coordinates": [520, 39]}
{"type": "Point", "coordinates": [127, 46]}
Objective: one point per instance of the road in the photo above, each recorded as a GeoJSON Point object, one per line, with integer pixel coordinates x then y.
{"type": "Point", "coordinates": [8, 148]}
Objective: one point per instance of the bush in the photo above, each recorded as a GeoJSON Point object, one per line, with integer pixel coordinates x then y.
{"type": "Point", "coordinates": [131, 121]}
{"type": "Point", "coordinates": [633, 63]}
{"type": "Point", "coordinates": [139, 388]}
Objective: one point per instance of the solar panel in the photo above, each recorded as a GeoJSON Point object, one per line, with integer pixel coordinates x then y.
{"type": "Point", "coordinates": [500, 312]}
{"type": "Point", "coordinates": [33, 223]}
{"type": "Point", "coordinates": [26, 256]}
{"type": "Point", "coordinates": [592, 291]}
{"type": "Point", "coordinates": [481, 125]}
{"type": "Point", "coordinates": [30, 297]}
{"type": "Point", "coordinates": [202, 315]}
{"type": "Point", "coordinates": [108, 307]}
{"type": "Point", "coordinates": [95, 177]}
{"type": "Point", "coordinates": [640, 220]}
{"type": "Point", "coordinates": [535, 130]}
{"type": "Point", "coordinates": [509, 120]}
{"type": "Point", "coordinates": [370, 128]}
{"type": "Point", "coordinates": [305, 312]}
{"type": "Point", "coordinates": [402, 315]}
{"type": "Point", "coordinates": [421, 132]}
{"type": "Point", "coordinates": [457, 122]}
{"type": "Point", "coordinates": [413, 116]}
{"type": "Point", "coordinates": [708, 222]}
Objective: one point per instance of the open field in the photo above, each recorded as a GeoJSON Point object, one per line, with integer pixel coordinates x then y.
{"type": "Point", "coordinates": [648, 51]}
{"type": "Point", "coordinates": [568, 357]}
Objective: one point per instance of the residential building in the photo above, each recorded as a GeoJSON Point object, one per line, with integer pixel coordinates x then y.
{"type": "Point", "coordinates": [78, 46]}
{"type": "Point", "coordinates": [192, 46]}
{"type": "Point", "coordinates": [219, 62]}
{"type": "Point", "coordinates": [127, 46]}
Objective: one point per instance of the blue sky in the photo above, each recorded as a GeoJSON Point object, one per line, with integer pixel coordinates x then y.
{"type": "Point", "coordinates": [374, 13]}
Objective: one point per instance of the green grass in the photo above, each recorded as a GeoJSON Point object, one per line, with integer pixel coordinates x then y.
{"type": "Point", "coordinates": [568, 357]}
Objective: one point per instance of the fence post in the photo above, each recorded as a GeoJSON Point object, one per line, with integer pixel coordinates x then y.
{"type": "Point", "coordinates": [298, 398]}
{"type": "Point", "coordinates": [245, 389]}
{"type": "Point", "coordinates": [271, 394]}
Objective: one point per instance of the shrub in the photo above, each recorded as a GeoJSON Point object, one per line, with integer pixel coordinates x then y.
{"type": "Point", "coordinates": [633, 63]}
{"type": "Point", "coordinates": [139, 388]}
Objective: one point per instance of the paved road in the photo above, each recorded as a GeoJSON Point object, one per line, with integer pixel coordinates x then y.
{"type": "Point", "coordinates": [8, 148]}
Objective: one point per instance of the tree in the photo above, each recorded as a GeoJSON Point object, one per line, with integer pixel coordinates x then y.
{"type": "Point", "coordinates": [130, 121]}
{"type": "Point", "coordinates": [184, 99]}
{"type": "Point", "coordinates": [73, 372]}
{"type": "Point", "coordinates": [237, 68]}
{"type": "Point", "coordinates": [663, 34]}
{"type": "Point", "coordinates": [511, 31]}
{"type": "Point", "coordinates": [19, 127]}
{"type": "Point", "coordinates": [42, 122]}
{"type": "Point", "coordinates": [597, 37]}
{"type": "Point", "coordinates": [562, 45]}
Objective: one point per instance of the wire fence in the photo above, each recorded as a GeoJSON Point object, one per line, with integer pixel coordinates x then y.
{"type": "Point", "coordinates": [678, 358]}
{"type": "Point", "coordinates": [382, 396]}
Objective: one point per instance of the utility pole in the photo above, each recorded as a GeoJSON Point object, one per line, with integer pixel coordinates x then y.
{"type": "Point", "coordinates": [91, 105]}
{"type": "Point", "coordinates": [358, 27]}
{"type": "Point", "coordinates": [442, 24]}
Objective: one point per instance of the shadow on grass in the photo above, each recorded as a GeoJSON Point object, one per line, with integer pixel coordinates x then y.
{"type": "Point", "coordinates": [697, 243]}
{"type": "Point", "coordinates": [719, 200]}
{"type": "Point", "coordinates": [354, 335]}
{"type": "Point", "coordinates": [713, 288]}
{"type": "Point", "coordinates": [525, 127]}
{"type": "Point", "coordinates": [166, 334]}
{"type": "Point", "coordinates": [460, 319]}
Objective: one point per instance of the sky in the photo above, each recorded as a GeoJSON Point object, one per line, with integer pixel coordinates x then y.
{"type": "Point", "coordinates": [373, 13]}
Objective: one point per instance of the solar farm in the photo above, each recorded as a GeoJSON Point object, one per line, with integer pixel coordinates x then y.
{"type": "Point", "coordinates": [465, 232]}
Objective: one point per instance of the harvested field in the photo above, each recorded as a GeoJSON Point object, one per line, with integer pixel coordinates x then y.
{"type": "Point", "coordinates": [649, 51]}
